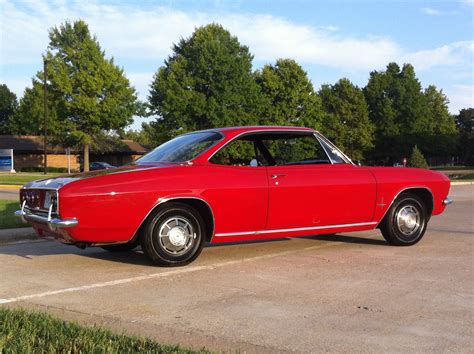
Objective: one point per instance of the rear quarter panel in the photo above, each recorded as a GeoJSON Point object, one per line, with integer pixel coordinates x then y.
{"type": "Point", "coordinates": [111, 208]}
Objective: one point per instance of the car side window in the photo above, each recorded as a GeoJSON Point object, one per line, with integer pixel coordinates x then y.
{"type": "Point", "coordinates": [296, 150]}
{"type": "Point", "coordinates": [237, 153]}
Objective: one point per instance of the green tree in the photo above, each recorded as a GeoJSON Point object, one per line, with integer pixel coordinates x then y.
{"type": "Point", "coordinates": [465, 125]}
{"type": "Point", "coordinates": [398, 108]}
{"type": "Point", "coordinates": [29, 117]}
{"type": "Point", "coordinates": [94, 96]}
{"type": "Point", "coordinates": [206, 82]}
{"type": "Point", "coordinates": [8, 105]}
{"type": "Point", "coordinates": [146, 136]}
{"type": "Point", "coordinates": [417, 159]}
{"type": "Point", "coordinates": [347, 121]}
{"type": "Point", "coordinates": [442, 125]}
{"type": "Point", "coordinates": [288, 95]}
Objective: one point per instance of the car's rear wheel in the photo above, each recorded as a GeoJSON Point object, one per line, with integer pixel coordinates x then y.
{"type": "Point", "coordinates": [122, 247]}
{"type": "Point", "coordinates": [173, 235]}
{"type": "Point", "coordinates": [406, 220]}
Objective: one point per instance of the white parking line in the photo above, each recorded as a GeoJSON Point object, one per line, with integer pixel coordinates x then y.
{"type": "Point", "coordinates": [160, 275]}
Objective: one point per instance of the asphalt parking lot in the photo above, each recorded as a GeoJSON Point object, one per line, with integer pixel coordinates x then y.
{"type": "Point", "coordinates": [349, 292]}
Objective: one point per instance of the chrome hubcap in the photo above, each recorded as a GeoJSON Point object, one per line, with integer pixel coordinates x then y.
{"type": "Point", "coordinates": [408, 220]}
{"type": "Point", "coordinates": [176, 235]}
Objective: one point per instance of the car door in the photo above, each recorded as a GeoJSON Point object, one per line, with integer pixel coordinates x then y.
{"type": "Point", "coordinates": [307, 189]}
{"type": "Point", "coordinates": [239, 192]}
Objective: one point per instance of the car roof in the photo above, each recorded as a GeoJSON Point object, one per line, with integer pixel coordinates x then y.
{"type": "Point", "coordinates": [244, 129]}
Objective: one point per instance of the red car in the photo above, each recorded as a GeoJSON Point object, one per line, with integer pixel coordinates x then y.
{"type": "Point", "coordinates": [233, 184]}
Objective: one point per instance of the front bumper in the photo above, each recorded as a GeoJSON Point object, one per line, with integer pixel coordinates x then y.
{"type": "Point", "coordinates": [447, 201]}
{"type": "Point", "coordinates": [54, 224]}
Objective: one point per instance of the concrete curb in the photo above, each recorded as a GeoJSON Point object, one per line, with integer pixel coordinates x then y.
{"type": "Point", "coordinates": [10, 186]}
{"type": "Point", "coordinates": [462, 183]}
{"type": "Point", "coordinates": [19, 234]}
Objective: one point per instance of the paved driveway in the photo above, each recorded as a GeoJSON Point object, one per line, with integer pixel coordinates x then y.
{"type": "Point", "coordinates": [11, 194]}
{"type": "Point", "coordinates": [350, 292]}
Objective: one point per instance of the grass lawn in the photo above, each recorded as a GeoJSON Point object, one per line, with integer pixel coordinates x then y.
{"type": "Point", "coordinates": [32, 332]}
{"type": "Point", "coordinates": [7, 219]}
{"type": "Point", "coordinates": [22, 178]}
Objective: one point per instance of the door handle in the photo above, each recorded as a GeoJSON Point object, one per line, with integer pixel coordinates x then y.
{"type": "Point", "coordinates": [278, 175]}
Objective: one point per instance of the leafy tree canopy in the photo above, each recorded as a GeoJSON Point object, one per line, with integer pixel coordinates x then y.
{"type": "Point", "coordinates": [29, 117]}
{"type": "Point", "coordinates": [288, 95]}
{"type": "Point", "coordinates": [347, 121]}
{"type": "Point", "coordinates": [465, 125]}
{"type": "Point", "coordinates": [398, 109]}
{"type": "Point", "coordinates": [8, 105]}
{"type": "Point", "coordinates": [206, 82]}
{"type": "Point", "coordinates": [94, 96]}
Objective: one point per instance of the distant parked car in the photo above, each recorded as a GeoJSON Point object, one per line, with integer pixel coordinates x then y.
{"type": "Point", "coordinates": [94, 166]}
{"type": "Point", "coordinates": [233, 184]}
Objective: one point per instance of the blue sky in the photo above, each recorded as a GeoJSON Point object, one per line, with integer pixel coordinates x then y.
{"type": "Point", "coordinates": [330, 39]}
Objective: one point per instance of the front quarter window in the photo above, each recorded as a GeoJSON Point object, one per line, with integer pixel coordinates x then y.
{"type": "Point", "coordinates": [182, 148]}
{"type": "Point", "coordinates": [334, 154]}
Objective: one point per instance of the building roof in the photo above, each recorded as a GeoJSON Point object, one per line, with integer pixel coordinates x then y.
{"type": "Point", "coordinates": [34, 145]}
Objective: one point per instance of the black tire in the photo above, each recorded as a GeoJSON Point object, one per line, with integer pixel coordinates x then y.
{"type": "Point", "coordinates": [122, 247]}
{"type": "Point", "coordinates": [168, 227]}
{"type": "Point", "coordinates": [406, 220]}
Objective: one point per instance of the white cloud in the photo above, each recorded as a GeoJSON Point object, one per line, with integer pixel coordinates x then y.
{"type": "Point", "coordinates": [467, 2]}
{"type": "Point", "coordinates": [460, 96]}
{"type": "Point", "coordinates": [430, 11]}
{"type": "Point", "coordinates": [450, 54]}
{"type": "Point", "coordinates": [329, 28]}
{"type": "Point", "coordinates": [134, 33]}
{"type": "Point", "coordinates": [131, 33]}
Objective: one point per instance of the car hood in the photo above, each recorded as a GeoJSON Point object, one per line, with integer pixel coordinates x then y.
{"type": "Point", "coordinates": [58, 182]}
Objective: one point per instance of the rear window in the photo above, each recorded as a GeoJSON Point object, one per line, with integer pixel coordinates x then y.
{"type": "Point", "coordinates": [182, 148]}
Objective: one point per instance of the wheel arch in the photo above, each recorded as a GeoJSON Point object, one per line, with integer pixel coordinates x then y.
{"type": "Point", "coordinates": [423, 192]}
{"type": "Point", "coordinates": [202, 207]}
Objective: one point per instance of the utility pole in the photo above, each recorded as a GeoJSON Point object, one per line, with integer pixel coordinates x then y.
{"type": "Point", "coordinates": [45, 141]}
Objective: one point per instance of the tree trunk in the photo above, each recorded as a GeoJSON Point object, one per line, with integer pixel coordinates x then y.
{"type": "Point", "coordinates": [86, 157]}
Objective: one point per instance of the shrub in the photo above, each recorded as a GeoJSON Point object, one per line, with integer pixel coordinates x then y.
{"type": "Point", "coordinates": [417, 159]}
{"type": "Point", "coordinates": [41, 169]}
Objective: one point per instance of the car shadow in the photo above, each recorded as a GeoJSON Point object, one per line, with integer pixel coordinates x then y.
{"type": "Point", "coordinates": [29, 250]}
{"type": "Point", "coordinates": [347, 239]}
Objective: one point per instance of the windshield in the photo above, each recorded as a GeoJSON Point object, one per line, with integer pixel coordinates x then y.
{"type": "Point", "coordinates": [182, 148]}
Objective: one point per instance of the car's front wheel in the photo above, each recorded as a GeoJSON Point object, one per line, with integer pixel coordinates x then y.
{"type": "Point", "coordinates": [173, 235]}
{"type": "Point", "coordinates": [406, 220]}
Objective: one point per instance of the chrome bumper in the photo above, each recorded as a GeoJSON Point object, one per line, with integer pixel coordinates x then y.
{"type": "Point", "coordinates": [447, 201]}
{"type": "Point", "coordinates": [53, 223]}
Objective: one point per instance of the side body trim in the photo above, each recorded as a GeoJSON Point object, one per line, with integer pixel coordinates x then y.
{"type": "Point", "coordinates": [310, 228]}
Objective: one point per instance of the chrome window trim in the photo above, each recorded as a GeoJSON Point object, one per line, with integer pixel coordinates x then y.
{"type": "Point", "coordinates": [296, 229]}
{"type": "Point", "coordinates": [162, 200]}
{"type": "Point", "coordinates": [309, 132]}
{"type": "Point", "coordinates": [400, 192]}
{"type": "Point", "coordinates": [346, 158]}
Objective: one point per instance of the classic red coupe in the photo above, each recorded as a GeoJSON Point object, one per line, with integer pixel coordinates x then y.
{"type": "Point", "coordinates": [233, 184]}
